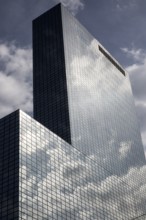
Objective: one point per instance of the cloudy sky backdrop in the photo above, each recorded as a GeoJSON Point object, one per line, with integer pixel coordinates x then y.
{"type": "Point", "coordinates": [119, 25]}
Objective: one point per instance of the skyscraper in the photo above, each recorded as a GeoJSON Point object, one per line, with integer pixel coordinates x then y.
{"type": "Point", "coordinates": [82, 155]}
{"type": "Point", "coordinates": [88, 94]}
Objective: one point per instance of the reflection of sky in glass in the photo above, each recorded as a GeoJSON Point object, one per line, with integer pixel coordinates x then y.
{"type": "Point", "coordinates": [101, 107]}
{"type": "Point", "coordinates": [106, 179]}
{"type": "Point", "coordinates": [59, 182]}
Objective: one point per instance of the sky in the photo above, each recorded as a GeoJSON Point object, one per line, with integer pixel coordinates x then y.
{"type": "Point", "coordinates": [119, 25]}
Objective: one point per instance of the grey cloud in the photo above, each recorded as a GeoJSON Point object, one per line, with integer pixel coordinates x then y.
{"type": "Point", "coordinates": [137, 72]}
{"type": "Point", "coordinates": [138, 80]}
{"type": "Point", "coordinates": [15, 78]}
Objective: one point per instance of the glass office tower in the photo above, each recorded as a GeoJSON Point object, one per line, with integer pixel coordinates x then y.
{"type": "Point", "coordinates": [81, 158]}
{"type": "Point", "coordinates": [88, 94]}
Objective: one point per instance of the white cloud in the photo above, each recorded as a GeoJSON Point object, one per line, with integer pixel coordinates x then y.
{"type": "Point", "coordinates": [15, 78]}
{"type": "Point", "coordinates": [124, 5]}
{"type": "Point", "coordinates": [136, 54]}
{"type": "Point", "coordinates": [125, 147]}
{"type": "Point", "coordinates": [73, 5]}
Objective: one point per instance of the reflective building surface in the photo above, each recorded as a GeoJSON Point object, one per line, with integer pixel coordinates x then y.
{"type": "Point", "coordinates": [49, 78]}
{"type": "Point", "coordinates": [81, 158]}
{"type": "Point", "coordinates": [57, 181]}
{"type": "Point", "coordinates": [88, 95]}
{"type": "Point", "coordinates": [9, 166]}
{"type": "Point", "coordinates": [101, 105]}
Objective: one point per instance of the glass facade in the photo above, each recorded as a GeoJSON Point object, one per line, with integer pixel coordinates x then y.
{"type": "Point", "coordinates": [49, 79]}
{"type": "Point", "coordinates": [82, 158]}
{"type": "Point", "coordinates": [53, 180]}
{"type": "Point", "coordinates": [9, 166]}
{"type": "Point", "coordinates": [101, 112]}
{"type": "Point", "coordinates": [101, 105]}
{"type": "Point", "coordinates": [59, 182]}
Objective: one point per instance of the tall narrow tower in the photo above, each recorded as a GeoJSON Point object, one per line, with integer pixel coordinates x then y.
{"type": "Point", "coordinates": [82, 94]}
{"type": "Point", "coordinates": [49, 74]}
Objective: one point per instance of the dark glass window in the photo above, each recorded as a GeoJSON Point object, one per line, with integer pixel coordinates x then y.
{"type": "Point", "coordinates": [111, 60]}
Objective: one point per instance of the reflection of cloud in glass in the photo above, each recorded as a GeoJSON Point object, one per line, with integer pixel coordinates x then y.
{"type": "Point", "coordinates": [68, 184]}
{"type": "Point", "coordinates": [101, 107]}
{"type": "Point", "coordinates": [125, 147]}
{"type": "Point", "coordinates": [63, 183]}
{"type": "Point", "coordinates": [100, 103]}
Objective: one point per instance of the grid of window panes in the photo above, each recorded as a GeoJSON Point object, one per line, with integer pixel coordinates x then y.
{"type": "Point", "coordinates": [101, 106]}
{"type": "Point", "coordinates": [49, 79]}
{"type": "Point", "coordinates": [143, 217]}
{"type": "Point", "coordinates": [101, 119]}
{"type": "Point", "coordinates": [58, 182]}
{"type": "Point", "coordinates": [9, 166]}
